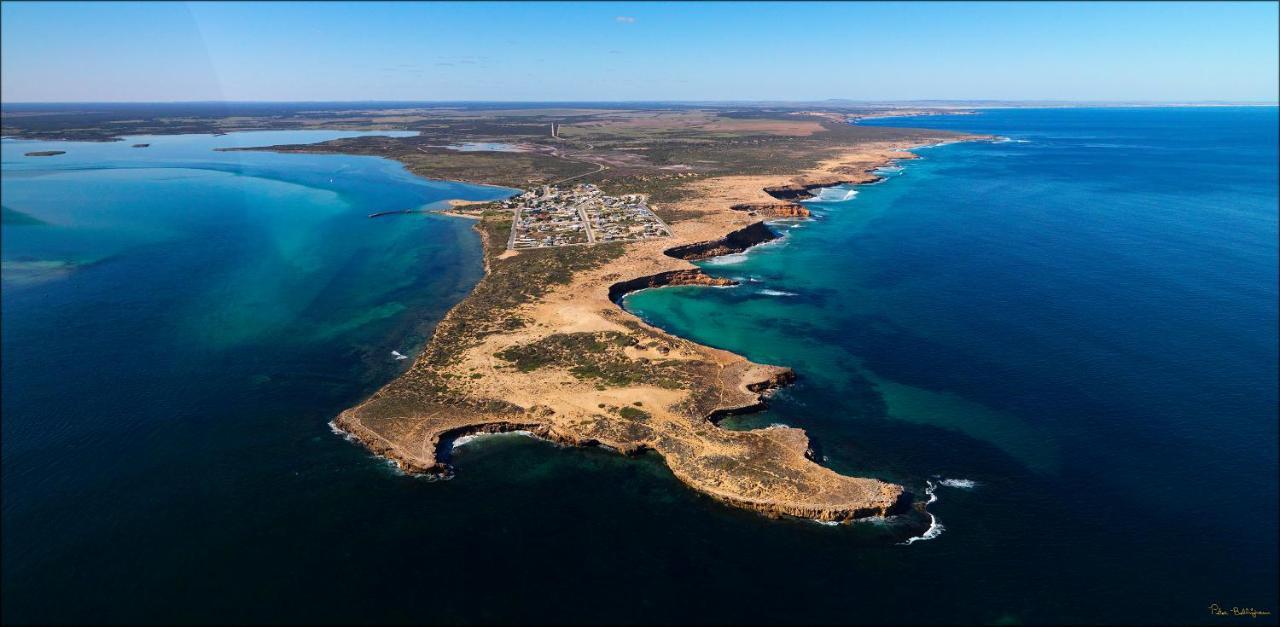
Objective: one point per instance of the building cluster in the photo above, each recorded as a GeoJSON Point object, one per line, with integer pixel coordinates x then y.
{"type": "Point", "coordinates": [549, 216]}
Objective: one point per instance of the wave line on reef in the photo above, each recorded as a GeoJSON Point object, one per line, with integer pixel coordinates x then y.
{"type": "Point", "coordinates": [935, 528]}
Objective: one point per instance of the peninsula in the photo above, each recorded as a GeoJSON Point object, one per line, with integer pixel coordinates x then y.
{"type": "Point", "coordinates": [614, 200]}
{"type": "Point", "coordinates": [543, 346]}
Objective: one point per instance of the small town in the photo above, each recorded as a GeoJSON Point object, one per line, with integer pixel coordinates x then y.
{"type": "Point", "coordinates": [549, 216]}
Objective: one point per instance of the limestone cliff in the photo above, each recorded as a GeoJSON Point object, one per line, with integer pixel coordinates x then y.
{"type": "Point", "coordinates": [735, 242]}
{"type": "Point", "coordinates": [773, 209]}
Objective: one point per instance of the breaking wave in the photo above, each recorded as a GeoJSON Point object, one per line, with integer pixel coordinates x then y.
{"type": "Point", "coordinates": [726, 260]}
{"type": "Point", "coordinates": [466, 439]}
{"type": "Point", "coordinates": [339, 432]}
{"type": "Point", "coordinates": [935, 528]}
{"type": "Point", "coordinates": [834, 194]}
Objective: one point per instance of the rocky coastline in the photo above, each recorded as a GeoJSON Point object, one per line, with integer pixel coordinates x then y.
{"type": "Point", "coordinates": [664, 279]}
{"type": "Point", "coordinates": [734, 242]}
{"type": "Point", "coordinates": [578, 370]}
{"type": "Point", "coordinates": [773, 209]}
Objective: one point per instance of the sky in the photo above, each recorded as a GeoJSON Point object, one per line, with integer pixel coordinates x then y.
{"type": "Point", "coordinates": [596, 51]}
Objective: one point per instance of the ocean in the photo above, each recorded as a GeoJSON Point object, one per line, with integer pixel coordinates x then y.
{"type": "Point", "coordinates": [1069, 338]}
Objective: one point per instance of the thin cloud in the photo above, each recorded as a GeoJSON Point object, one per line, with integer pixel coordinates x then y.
{"type": "Point", "coordinates": [625, 19]}
{"type": "Point", "coordinates": [462, 60]}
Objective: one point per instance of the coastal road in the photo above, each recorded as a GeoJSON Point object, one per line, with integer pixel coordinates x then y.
{"type": "Point", "coordinates": [600, 167]}
{"type": "Point", "coordinates": [515, 219]}
{"type": "Point", "coordinates": [653, 214]}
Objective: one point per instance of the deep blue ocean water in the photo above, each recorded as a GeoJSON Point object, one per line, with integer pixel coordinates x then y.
{"type": "Point", "coordinates": [1081, 321]}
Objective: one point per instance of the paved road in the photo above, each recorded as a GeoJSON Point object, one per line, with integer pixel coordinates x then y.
{"type": "Point", "coordinates": [515, 219]}
{"type": "Point", "coordinates": [586, 225]}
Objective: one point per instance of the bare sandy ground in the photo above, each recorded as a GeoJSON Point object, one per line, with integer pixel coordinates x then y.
{"type": "Point", "coordinates": [767, 469]}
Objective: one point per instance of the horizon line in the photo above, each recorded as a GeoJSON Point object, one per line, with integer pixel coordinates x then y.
{"type": "Point", "coordinates": [659, 101]}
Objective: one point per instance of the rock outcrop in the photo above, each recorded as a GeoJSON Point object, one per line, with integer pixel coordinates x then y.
{"type": "Point", "coordinates": [735, 242]}
{"type": "Point", "coordinates": [664, 279]}
{"type": "Point", "coordinates": [773, 209]}
{"type": "Point", "coordinates": [804, 190]}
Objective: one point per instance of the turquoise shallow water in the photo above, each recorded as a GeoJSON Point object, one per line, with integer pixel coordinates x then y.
{"type": "Point", "coordinates": [1084, 313]}
{"type": "Point", "coordinates": [1082, 324]}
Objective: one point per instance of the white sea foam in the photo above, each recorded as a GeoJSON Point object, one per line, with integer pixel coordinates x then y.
{"type": "Point", "coordinates": [777, 242]}
{"type": "Point", "coordinates": [935, 528]}
{"type": "Point", "coordinates": [466, 439]}
{"type": "Point", "coordinates": [463, 440]}
{"type": "Point", "coordinates": [777, 293]}
{"type": "Point", "coordinates": [391, 464]}
{"type": "Point", "coordinates": [878, 521]}
{"type": "Point", "coordinates": [726, 260]}
{"type": "Point", "coordinates": [338, 431]}
{"type": "Point", "coordinates": [838, 193]}
{"type": "Point", "coordinates": [936, 145]}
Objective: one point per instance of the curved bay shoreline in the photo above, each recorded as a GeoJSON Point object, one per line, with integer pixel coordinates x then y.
{"type": "Point", "coordinates": [568, 364]}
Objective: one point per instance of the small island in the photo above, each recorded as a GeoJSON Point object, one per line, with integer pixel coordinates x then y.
{"type": "Point", "coordinates": [46, 153]}
{"type": "Point", "coordinates": [142, 145]}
